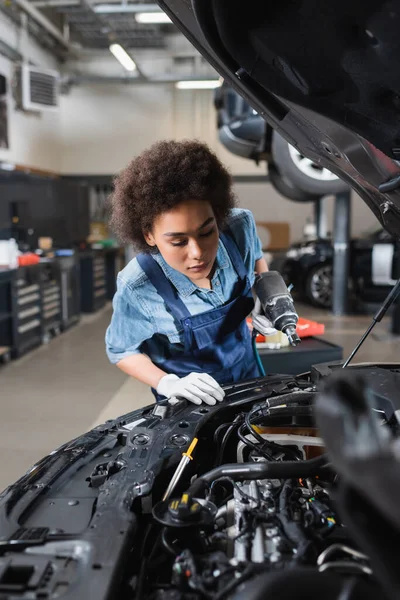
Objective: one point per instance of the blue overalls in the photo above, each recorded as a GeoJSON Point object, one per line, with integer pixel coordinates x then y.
{"type": "Point", "coordinates": [218, 341]}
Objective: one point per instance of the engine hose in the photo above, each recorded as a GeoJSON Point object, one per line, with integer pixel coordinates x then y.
{"type": "Point", "coordinates": [290, 411]}
{"type": "Point", "coordinates": [260, 413]}
{"type": "Point", "coordinates": [267, 470]}
{"type": "Point", "coordinates": [292, 529]}
{"type": "Point", "coordinates": [250, 444]}
{"type": "Point", "coordinates": [289, 398]}
{"type": "Point", "coordinates": [252, 430]}
{"type": "Point", "coordinates": [263, 442]}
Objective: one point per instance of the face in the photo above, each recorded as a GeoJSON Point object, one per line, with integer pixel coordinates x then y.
{"type": "Point", "coordinates": [187, 237]}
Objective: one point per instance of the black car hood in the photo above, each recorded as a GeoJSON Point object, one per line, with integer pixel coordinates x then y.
{"type": "Point", "coordinates": [324, 74]}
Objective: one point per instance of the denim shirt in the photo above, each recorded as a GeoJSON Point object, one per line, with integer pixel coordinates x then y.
{"type": "Point", "coordinates": [142, 323]}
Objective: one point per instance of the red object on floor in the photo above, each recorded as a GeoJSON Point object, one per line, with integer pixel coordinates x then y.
{"type": "Point", "coordinates": [25, 260]}
{"type": "Point", "coordinates": [306, 328]}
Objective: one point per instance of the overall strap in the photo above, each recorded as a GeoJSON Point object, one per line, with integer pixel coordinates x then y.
{"type": "Point", "coordinates": [234, 253]}
{"type": "Point", "coordinates": [163, 286]}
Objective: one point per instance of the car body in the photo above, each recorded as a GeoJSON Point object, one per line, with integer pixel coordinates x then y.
{"type": "Point", "coordinates": [256, 512]}
{"type": "Point", "coordinates": [304, 91]}
{"type": "Point", "coordinates": [308, 266]}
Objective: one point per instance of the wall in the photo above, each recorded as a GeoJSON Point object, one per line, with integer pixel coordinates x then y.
{"type": "Point", "coordinates": [105, 125]}
{"type": "Point", "coordinates": [267, 205]}
{"type": "Point", "coordinates": [34, 139]}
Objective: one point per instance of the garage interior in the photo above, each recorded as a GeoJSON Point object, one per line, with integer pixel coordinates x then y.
{"type": "Point", "coordinates": [85, 87]}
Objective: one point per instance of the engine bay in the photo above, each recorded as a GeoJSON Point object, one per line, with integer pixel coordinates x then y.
{"type": "Point", "coordinates": [246, 499]}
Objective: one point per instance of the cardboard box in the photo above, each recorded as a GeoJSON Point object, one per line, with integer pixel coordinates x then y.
{"type": "Point", "coordinates": [273, 235]}
{"type": "Point", "coordinates": [98, 232]}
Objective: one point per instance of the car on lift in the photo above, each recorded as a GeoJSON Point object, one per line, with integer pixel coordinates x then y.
{"type": "Point", "coordinates": [308, 266]}
{"type": "Point", "coordinates": [290, 487]}
{"type": "Point", "coordinates": [246, 134]}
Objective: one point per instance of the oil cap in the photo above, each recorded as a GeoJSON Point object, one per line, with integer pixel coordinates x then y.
{"type": "Point", "coordinates": [185, 512]}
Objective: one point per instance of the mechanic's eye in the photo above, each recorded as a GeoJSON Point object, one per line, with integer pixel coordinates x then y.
{"type": "Point", "coordinates": [208, 233]}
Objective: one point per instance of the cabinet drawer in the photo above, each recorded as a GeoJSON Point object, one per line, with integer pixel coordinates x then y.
{"type": "Point", "coordinates": [101, 282]}
{"type": "Point", "coordinates": [52, 289]}
{"type": "Point", "coordinates": [51, 297]}
{"type": "Point", "coordinates": [28, 299]}
{"type": "Point", "coordinates": [51, 305]}
{"type": "Point", "coordinates": [29, 326]}
{"type": "Point", "coordinates": [28, 290]}
{"type": "Point", "coordinates": [28, 312]}
{"type": "Point", "coordinates": [48, 314]}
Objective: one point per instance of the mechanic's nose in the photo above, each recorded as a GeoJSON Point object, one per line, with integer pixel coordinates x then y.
{"type": "Point", "coordinates": [195, 251]}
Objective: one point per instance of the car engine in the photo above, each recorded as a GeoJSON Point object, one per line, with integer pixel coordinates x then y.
{"type": "Point", "coordinates": [282, 517]}
{"type": "Point", "coordinates": [287, 489]}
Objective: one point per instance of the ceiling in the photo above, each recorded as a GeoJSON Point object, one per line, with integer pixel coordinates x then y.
{"type": "Point", "coordinates": [94, 30]}
{"type": "Point", "coordinates": [74, 29]}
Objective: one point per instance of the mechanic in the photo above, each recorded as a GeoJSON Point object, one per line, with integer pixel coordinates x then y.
{"type": "Point", "coordinates": [179, 320]}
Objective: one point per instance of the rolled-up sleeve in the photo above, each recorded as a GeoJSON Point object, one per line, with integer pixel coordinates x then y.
{"type": "Point", "coordinates": [244, 231]}
{"type": "Point", "coordinates": [130, 325]}
{"type": "Point", "coordinates": [254, 240]}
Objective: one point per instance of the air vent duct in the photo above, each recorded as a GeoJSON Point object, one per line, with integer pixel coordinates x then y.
{"type": "Point", "coordinates": [40, 89]}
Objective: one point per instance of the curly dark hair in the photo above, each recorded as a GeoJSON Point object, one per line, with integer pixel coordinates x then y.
{"type": "Point", "coordinates": [168, 173]}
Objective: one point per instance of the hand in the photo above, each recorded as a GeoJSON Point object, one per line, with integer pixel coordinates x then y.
{"type": "Point", "coordinates": [260, 321]}
{"type": "Point", "coordinates": [195, 387]}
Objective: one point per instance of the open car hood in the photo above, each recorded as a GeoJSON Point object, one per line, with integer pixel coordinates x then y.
{"type": "Point", "coordinates": [324, 74]}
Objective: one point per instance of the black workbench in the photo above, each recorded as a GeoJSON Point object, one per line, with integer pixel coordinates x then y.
{"type": "Point", "coordinates": [298, 360]}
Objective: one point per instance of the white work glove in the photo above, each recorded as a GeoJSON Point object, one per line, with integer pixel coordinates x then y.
{"type": "Point", "coordinates": [260, 321]}
{"type": "Point", "coordinates": [195, 387]}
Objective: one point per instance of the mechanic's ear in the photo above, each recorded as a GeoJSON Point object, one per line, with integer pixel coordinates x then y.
{"type": "Point", "coordinates": [148, 236]}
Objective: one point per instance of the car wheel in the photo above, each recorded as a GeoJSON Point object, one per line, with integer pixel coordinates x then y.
{"type": "Point", "coordinates": [318, 286]}
{"type": "Point", "coordinates": [303, 172]}
{"type": "Point", "coordinates": [286, 188]}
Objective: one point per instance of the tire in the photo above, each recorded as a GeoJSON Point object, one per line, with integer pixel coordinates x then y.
{"type": "Point", "coordinates": [302, 172]}
{"type": "Point", "coordinates": [318, 285]}
{"type": "Point", "coordinates": [240, 146]}
{"type": "Point", "coordinates": [286, 188]}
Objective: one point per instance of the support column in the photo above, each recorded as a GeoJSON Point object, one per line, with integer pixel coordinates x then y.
{"type": "Point", "coordinates": [341, 259]}
{"type": "Point", "coordinates": [320, 219]}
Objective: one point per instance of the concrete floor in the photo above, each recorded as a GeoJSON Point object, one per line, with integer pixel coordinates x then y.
{"type": "Point", "coordinates": [66, 387]}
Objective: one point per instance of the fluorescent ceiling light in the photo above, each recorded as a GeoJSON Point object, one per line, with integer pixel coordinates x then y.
{"type": "Point", "coordinates": [123, 57]}
{"type": "Point", "coordinates": [201, 84]}
{"type": "Point", "coordinates": [152, 17]}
